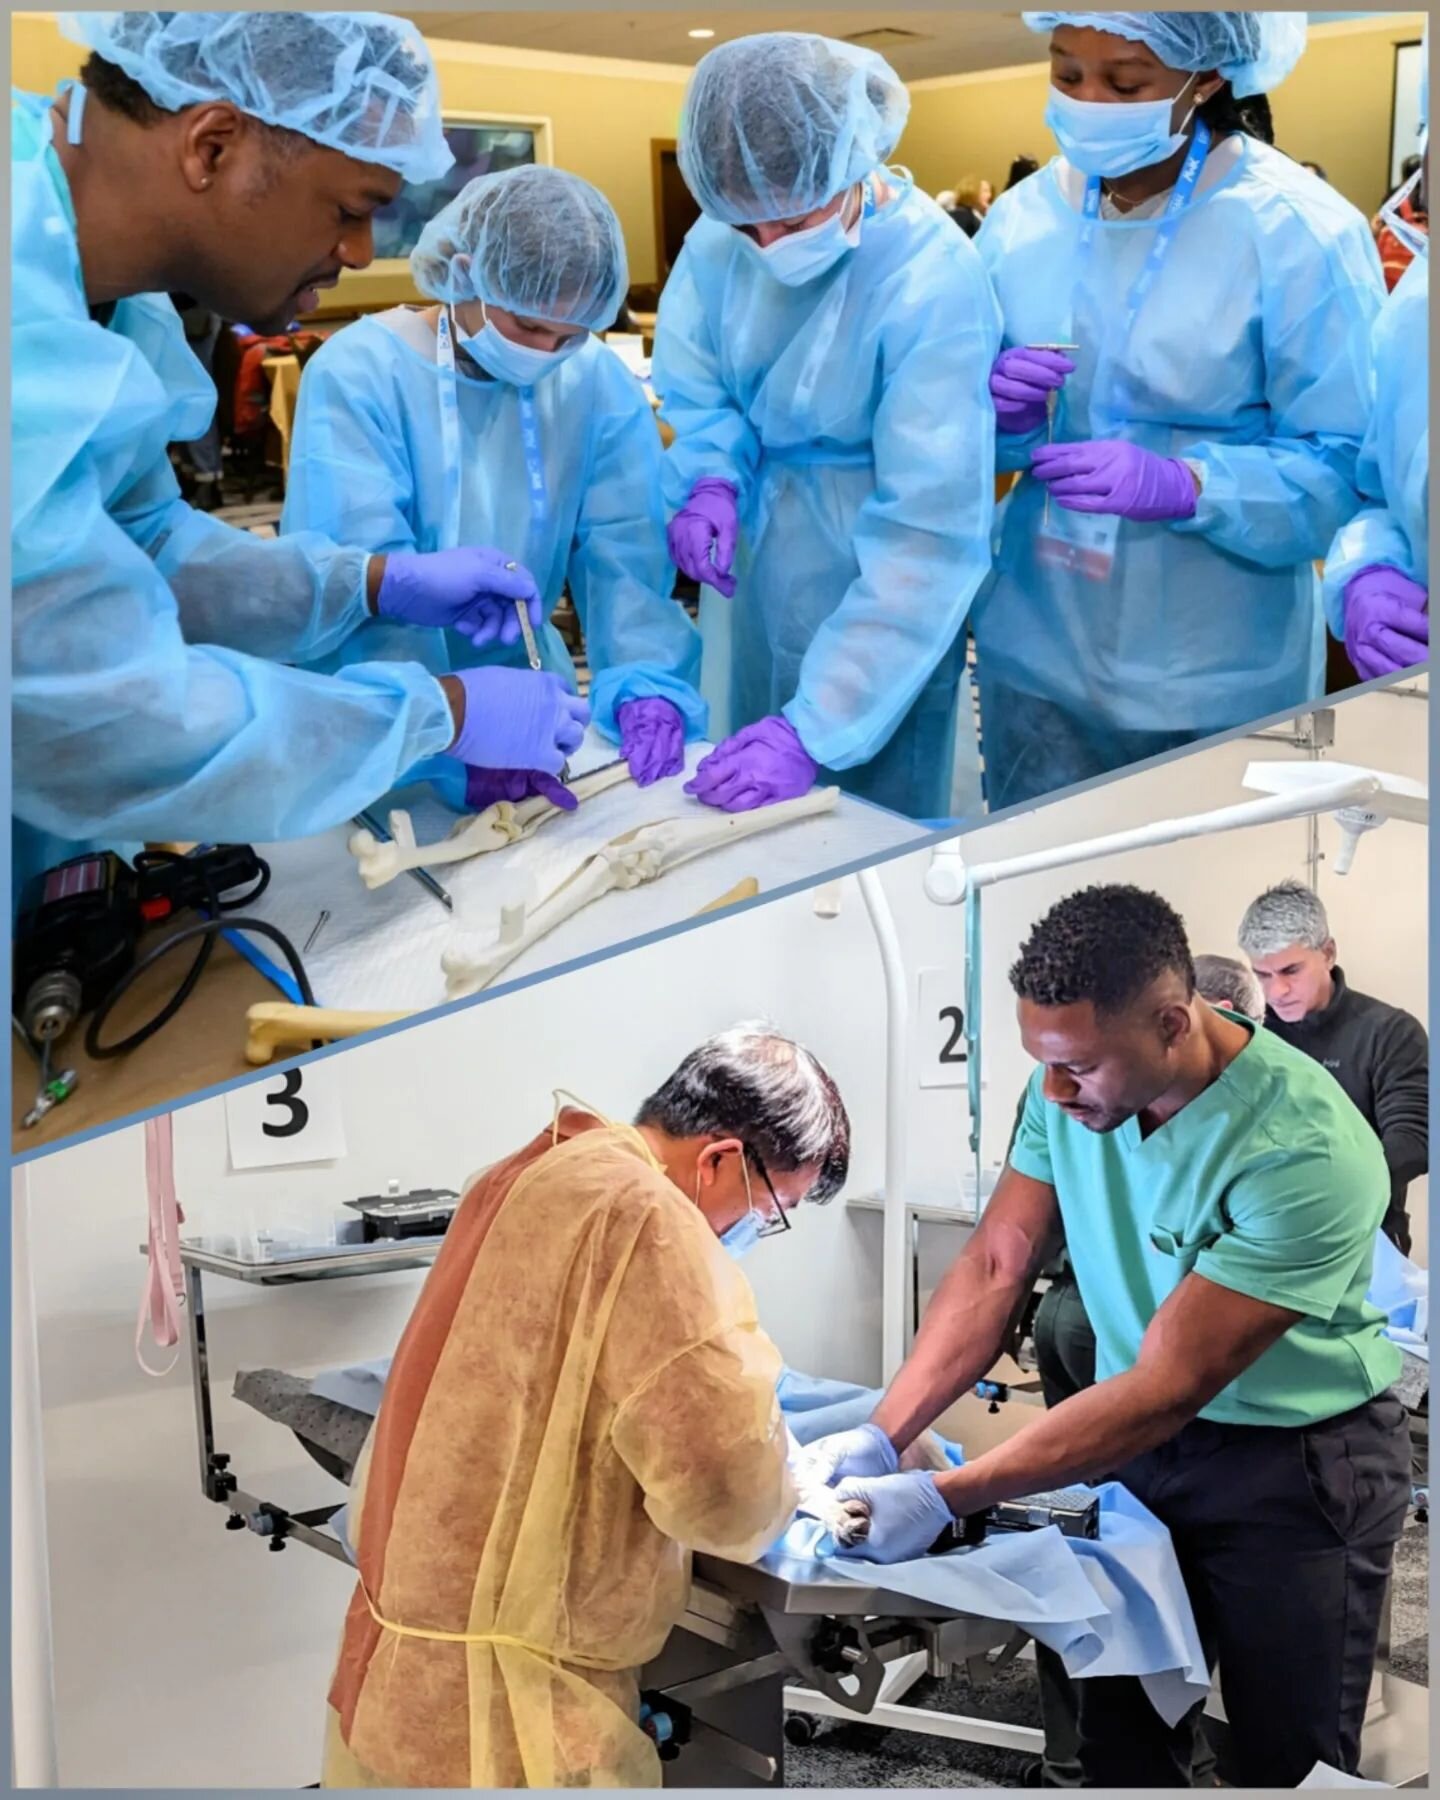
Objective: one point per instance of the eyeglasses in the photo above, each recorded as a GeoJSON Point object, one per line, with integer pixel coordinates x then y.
{"type": "Point", "coordinates": [778, 1222]}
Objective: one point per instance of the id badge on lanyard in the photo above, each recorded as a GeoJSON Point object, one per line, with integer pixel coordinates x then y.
{"type": "Point", "coordinates": [450, 444]}
{"type": "Point", "coordinates": [1084, 543]}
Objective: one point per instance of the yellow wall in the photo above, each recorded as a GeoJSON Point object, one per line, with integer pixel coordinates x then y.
{"type": "Point", "coordinates": [1335, 110]}
{"type": "Point", "coordinates": [602, 127]}
{"type": "Point", "coordinates": [601, 124]}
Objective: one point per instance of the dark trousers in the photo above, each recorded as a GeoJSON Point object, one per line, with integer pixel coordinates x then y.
{"type": "Point", "coordinates": [1065, 1362]}
{"type": "Point", "coordinates": [1396, 1226]}
{"type": "Point", "coordinates": [1285, 1538]}
{"type": "Point", "coordinates": [1031, 746]}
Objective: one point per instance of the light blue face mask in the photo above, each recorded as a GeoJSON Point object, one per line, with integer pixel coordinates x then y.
{"type": "Point", "coordinates": [519, 364]}
{"type": "Point", "coordinates": [805, 256]}
{"type": "Point", "coordinates": [742, 1236]}
{"type": "Point", "coordinates": [1113, 138]}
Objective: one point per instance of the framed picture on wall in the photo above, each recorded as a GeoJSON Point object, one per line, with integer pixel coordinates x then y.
{"type": "Point", "coordinates": [482, 146]}
{"type": "Point", "coordinates": [483, 143]}
{"type": "Point", "coordinates": [1405, 109]}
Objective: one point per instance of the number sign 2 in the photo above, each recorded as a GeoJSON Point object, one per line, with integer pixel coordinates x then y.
{"type": "Point", "coordinates": [940, 1050]}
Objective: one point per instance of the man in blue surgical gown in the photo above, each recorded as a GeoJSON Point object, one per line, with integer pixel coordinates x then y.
{"type": "Point", "coordinates": [236, 158]}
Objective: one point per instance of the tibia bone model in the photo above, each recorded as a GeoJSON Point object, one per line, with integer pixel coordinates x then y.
{"type": "Point", "coordinates": [628, 861]}
{"type": "Point", "coordinates": [504, 823]}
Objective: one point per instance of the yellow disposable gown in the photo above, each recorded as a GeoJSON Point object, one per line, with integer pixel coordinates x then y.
{"type": "Point", "coordinates": [582, 1396]}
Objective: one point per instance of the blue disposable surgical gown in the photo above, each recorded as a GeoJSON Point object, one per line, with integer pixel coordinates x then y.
{"type": "Point", "coordinates": [853, 416]}
{"type": "Point", "coordinates": [1251, 358]}
{"type": "Point", "coordinates": [1394, 527]}
{"type": "Point", "coordinates": [367, 467]}
{"type": "Point", "coordinates": [150, 700]}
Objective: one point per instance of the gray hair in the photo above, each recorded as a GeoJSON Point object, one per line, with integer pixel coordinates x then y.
{"type": "Point", "coordinates": [753, 1083]}
{"type": "Point", "coordinates": [1226, 981]}
{"type": "Point", "coordinates": [1289, 913]}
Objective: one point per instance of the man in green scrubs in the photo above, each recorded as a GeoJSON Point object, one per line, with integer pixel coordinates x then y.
{"type": "Point", "coordinates": [1219, 1196]}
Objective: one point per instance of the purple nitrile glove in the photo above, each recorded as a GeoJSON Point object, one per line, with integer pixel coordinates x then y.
{"type": "Point", "coordinates": [473, 590]}
{"type": "Point", "coordinates": [1020, 383]}
{"type": "Point", "coordinates": [483, 787]}
{"type": "Point", "coordinates": [518, 719]}
{"type": "Point", "coordinates": [652, 738]}
{"type": "Point", "coordinates": [760, 764]}
{"type": "Point", "coordinates": [907, 1514]}
{"type": "Point", "coordinates": [1387, 621]}
{"type": "Point", "coordinates": [708, 523]}
{"type": "Point", "coordinates": [1107, 475]}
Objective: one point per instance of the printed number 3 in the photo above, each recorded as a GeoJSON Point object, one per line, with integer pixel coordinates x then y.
{"type": "Point", "coordinates": [298, 1110]}
{"type": "Point", "coordinates": [953, 1049]}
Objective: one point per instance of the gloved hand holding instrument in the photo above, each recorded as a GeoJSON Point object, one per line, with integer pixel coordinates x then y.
{"type": "Point", "coordinates": [1023, 383]}
{"type": "Point", "coordinates": [472, 589]}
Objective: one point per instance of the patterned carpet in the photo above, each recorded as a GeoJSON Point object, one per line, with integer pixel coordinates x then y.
{"type": "Point", "coordinates": [863, 1756]}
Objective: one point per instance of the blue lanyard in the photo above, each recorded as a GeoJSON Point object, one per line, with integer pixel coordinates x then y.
{"type": "Point", "coordinates": [1181, 195]}
{"type": "Point", "coordinates": [450, 438]}
{"type": "Point", "coordinates": [449, 432]}
{"type": "Point", "coordinates": [534, 463]}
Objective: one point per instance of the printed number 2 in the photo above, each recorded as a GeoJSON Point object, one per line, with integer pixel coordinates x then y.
{"type": "Point", "coordinates": [953, 1049]}
{"type": "Point", "coordinates": [299, 1111]}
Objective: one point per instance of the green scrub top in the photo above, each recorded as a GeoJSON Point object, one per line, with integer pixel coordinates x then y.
{"type": "Point", "coordinates": [1271, 1183]}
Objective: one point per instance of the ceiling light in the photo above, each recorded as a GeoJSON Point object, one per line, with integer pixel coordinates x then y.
{"type": "Point", "coordinates": [885, 37]}
{"type": "Point", "coordinates": [701, 31]}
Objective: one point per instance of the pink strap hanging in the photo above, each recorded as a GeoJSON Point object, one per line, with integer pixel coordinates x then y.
{"type": "Point", "coordinates": [164, 1295]}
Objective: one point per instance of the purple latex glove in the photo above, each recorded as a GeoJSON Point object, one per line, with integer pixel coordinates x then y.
{"type": "Point", "coordinates": [760, 764]}
{"type": "Point", "coordinates": [1020, 383]}
{"type": "Point", "coordinates": [483, 787]}
{"type": "Point", "coordinates": [1106, 475]}
{"type": "Point", "coordinates": [709, 522]}
{"type": "Point", "coordinates": [907, 1514]}
{"type": "Point", "coordinates": [517, 719]}
{"type": "Point", "coordinates": [1387, 621]}
{"type": "Point", "coordinates": [652, 738]}
{"type": "Point", "coordinates": [472, 590]}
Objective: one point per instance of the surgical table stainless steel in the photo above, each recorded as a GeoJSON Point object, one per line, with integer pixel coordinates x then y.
{"type": "Point", "coordinates": [726, 1675]}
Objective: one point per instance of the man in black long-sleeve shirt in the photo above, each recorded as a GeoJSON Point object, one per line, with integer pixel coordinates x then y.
{"type": "Point", "coordinates": [1378, 1054]}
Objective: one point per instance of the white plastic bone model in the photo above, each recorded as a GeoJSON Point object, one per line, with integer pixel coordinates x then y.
{"type": "Point", "coordinates": [502, 824]}
{"type": "Point", "coordinates": [628, 861]}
